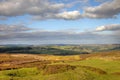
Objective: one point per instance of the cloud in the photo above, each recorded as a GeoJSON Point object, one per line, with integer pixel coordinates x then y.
{"type": "Point", "coordinates": [20, 35]}
{"type": "Point", "coordinates": [108, 9]}
{"type": "Point", "coordinates": [66, 15]}
{"type": "Point", "coordinates": [47, 9]}
{"type": "Point", "coordinates": [110, 27]}
{"type": "Point", "coordinates": [3, 18]}
{"type": "Point", "coordinates": [13, 28]}
{"type": "Point", "coordinates": [72, 15]}
{"type": "Point", "coordinates": [101, 1]}
{"type": "Point", "coordinates": [31, 7]}
{"type": "Point", "coordinates": [38, 9]}
{"type": "Point", "coordinates": [73, 3]}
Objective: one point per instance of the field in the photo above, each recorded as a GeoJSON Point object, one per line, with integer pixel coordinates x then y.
{"type": "Point", "coordinates": [98, 65]}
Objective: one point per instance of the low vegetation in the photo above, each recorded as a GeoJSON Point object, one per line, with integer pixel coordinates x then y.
{"type": "Point", "coordinates": [95, 66]}
{"type": "Point", "coordinates": [59, 49]}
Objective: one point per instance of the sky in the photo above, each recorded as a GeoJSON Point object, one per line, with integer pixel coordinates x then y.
{"type": "Point", "coordinates": [59, 22]}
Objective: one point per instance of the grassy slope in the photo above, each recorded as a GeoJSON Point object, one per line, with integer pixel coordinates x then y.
{"type": "Point", "coordinates": [91, 67]}
{"type": "Point", "coordinates": [108, 66]}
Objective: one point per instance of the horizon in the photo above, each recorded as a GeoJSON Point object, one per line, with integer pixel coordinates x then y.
{"type": "Point", "coordinates": [53, 44]}
{"type": "Point", "coordinates": [38, 22]}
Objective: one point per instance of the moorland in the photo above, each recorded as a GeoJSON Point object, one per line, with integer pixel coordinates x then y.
{"type": "Point", "coordinates": [60, 62]}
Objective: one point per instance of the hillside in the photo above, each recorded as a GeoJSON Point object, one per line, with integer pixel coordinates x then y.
{"type": "Point", "coordinates": [59, 49]}
{"type": "Point", "coordinates": [97, 66]}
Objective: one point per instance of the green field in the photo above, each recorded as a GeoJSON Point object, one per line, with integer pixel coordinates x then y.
{"type": "Point", "coordinates": [85, 70]}
{"type": "Point", "coordinates": [95, 66]}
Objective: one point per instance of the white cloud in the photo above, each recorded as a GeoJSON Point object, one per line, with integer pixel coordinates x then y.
{"type": "Point", "coordinates": [110, 27]}
{"type": "Point", "coordinates": [72, 15]}
{"type": "Point", "coordinates": [32, 7]}
{"type": "Point", "coordinates": [38, 9]}
{"type": "Point", "coordinates": [106, 10]}
{"type": "Point", "coordinates": [44, 9]}
{"type": "Point", "coordinates": [14, 34]}
{"type": "Point", "coordinates": [13, 28]}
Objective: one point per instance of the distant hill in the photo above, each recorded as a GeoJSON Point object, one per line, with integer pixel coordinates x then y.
{"type": "Point", "coordinates": [59, 49]}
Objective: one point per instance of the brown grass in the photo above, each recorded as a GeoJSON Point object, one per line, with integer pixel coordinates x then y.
{"type": "Point", "coordinates": [53, 69]}
{"type": "Point", "coordinates": [93, 69]}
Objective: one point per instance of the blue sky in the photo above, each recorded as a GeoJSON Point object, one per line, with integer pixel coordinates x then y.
{"type": "Point", "coordinates": [59, 21]}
